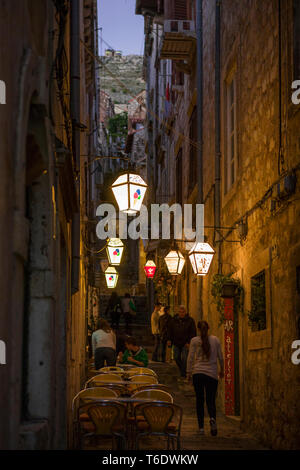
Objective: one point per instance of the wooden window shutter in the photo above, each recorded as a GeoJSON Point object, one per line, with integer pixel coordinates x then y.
{"type": "Point", "coordinates": [180, 9]}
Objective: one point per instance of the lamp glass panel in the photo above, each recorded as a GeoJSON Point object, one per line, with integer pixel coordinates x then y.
{"type": "Point", "coordinates": [121, 179]}
{"type": "Point", "coordinates": [150, 268]}
{"type": "Point", "coordinates": [203, 262]}
{"type": "Point", "coordinates": [115, 255]}
{"type": "Point", "coordinates": [137, 194]}
{"type": "Point", "coordinates": [181, 264]}
{"type": "Point", "coordinates": [136, 179]}
{"type": "Point", "coordinates": [172, 260]}
{"type": "Point", "coordinates": [111, 280]}
{"type": "Point", "coordinates": [121, 195]}
{"type": "Point", "coordinates": [202, 247]}
{"type": "Point", "coordinates": [193, 262]}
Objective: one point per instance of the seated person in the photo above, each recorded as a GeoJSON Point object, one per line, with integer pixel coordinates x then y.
{"type": "Point", "coordinates": [133, 354]}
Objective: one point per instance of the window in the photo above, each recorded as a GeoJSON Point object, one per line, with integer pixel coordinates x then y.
{"type": "Point", "coordinates": [296, 39]}
{"type": "Point", "coordinates": [230, 135]}
{"type": "Point", "coordinates": [179, 197]}
{"type": "Point", "coordinates": [257, 315]}
{"type": "Point", "coordinates": [193, 150]}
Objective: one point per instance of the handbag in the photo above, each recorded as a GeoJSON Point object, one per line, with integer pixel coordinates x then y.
{"type": "Point", "coordinates": [132, 308]}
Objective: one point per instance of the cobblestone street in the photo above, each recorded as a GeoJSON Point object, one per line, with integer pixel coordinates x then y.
{"type": "Point", "coordinates": [230, 436]}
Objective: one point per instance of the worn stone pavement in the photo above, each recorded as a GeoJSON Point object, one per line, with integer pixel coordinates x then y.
{"type": "Point", "coordinates": [230, 436]}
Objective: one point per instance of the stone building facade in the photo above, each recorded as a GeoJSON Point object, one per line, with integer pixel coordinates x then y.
{"type": "Point", "coordinates": [46, 138]}
{"type": "Point", "coordinates": [256, 191]}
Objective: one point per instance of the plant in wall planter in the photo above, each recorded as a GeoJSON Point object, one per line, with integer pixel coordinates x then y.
{"type": "Point", "coordinates": [224, 285]}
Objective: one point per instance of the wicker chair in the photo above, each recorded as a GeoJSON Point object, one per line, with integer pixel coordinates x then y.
{"type": "Point", "coordinates": [148, 386]}
{"type": "Point", "coordinates": [102, 378]}
{"type": "Point", "coordinates": [141, 371]}
{"type": "Point", "coordinates": [154, 394]}
{"type": "Point", "coordinates": [147, 379]}
{"type": "Point", "coordinates": [107, 421]}
{"type": "Point", "coordinates": [160, 419]}
{"type": "Point", "coordinates": [112, 369]}
{"type": "Point", "coordinates": [86, 396]}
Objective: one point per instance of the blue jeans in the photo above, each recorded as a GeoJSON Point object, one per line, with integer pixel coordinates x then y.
{"type": "Point", "coordinates": [180, 356]}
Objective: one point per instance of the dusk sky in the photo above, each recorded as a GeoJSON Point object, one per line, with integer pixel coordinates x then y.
{"type": "Point", "coordinates": [122, 29]}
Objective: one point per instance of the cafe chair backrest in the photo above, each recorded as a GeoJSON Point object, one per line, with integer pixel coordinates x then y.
{"type": "Point", "coordinates": [104, 415]}
{"type": "Point", "coordinates": [106, 378]}
{"type": "Point", "coordinates": [111, 369]}
{"type": "Point", "coordinates": [153, 394]}
{"type": "Point", "coordinates": [144, 378]}
{"type": "Point", "coordinates": [148, 386]}
{"type": "Point", "coordinates": [157, 415]}
{"type": "Point", "coordinates": [142, 371]}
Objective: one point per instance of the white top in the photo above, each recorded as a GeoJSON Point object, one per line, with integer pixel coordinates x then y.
{"type": "Point", "coordinates": [197, 362]}
{"type": "Point", "coordinates": [101, 339]}
{"type": "Point", "coordinates": [154, 322]}
{"type": "Point", "coordinates": [125, 304]}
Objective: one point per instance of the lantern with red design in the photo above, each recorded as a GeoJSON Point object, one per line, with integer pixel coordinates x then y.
{"type": "Point", "coordinates": [111, 277]}
{"type": "Point", "coordinates": [129, 190]}
{"type": "Point", "coordinates": [114, 251]}
{"type": "Point", "coordinates": [150, 268]}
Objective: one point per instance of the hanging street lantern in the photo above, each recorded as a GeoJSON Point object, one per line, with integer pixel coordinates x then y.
{"type": "Point", "coordinates": [114, 250]}
{"type": "Point", "coordinates": [150, 268]}
{"type": "Point", "coordinates": [175, 262]}
{"type": "Point", "coordinates": [129, 190]}
{"type": "Point", "coordinates": [111, 277]}
{"type": "Point", "coordinates": [201, 256]}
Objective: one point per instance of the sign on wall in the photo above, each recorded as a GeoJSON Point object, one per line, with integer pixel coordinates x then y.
{"type": "Point", "coordinates": [229, 356]}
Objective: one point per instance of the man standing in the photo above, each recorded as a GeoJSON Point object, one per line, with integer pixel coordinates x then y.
{"type": "Point", "coordinates": [164, 323]}
{"type": "Point", "coordinates": [155, 330]}
{"type": "Point", "coordinates": [182, 329]}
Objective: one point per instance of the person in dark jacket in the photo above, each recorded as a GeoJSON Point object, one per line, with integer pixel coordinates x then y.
{"type": "Point", "coordinates": [114, 307]}
{"type": "Point", "coordinates": [164, 326]}
{"type": "Point", "coordinates": [181, 330]}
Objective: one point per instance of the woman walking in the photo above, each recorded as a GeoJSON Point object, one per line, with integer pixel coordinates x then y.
{"type": "Point", "coordinates": [202, 364]}
{"type": "Point", "coordinates": [104, 345]}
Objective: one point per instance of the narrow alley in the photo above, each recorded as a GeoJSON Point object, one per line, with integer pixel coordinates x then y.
{"type": "Point", "coordinates": [149, 225]}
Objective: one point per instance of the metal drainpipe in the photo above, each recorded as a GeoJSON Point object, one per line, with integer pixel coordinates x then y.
{"type": "Point", "coordinates": [217, 201]}
{"type": "Point", "coordinates": [199, 21]}
{"type": "Point", "coordinates": [75, 114]}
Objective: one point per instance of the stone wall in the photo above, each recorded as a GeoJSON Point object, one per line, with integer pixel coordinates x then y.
{"type": "Point", "coordinates": [269, 382]}
{"type": "Point", "coordinates": [42, 320]}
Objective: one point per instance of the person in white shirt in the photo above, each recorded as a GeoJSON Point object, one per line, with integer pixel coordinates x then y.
{"type": "Point", "coordinates": [104, 345]}
{"type": "Point", "coordinates": [155, 330]}
{"type": "Point", "coordinates": [202, 365]}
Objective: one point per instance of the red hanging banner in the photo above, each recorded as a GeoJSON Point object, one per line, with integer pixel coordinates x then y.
{"type": "Point", "coordinates": [229, 356]}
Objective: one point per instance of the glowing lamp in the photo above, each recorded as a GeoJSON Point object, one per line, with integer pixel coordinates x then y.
{"type": "Point", "coordinates": [129, 190]}
{"type": "Point", "coordinates": [114, 250]}
{"type": "Point", "coordinates": [175, 262]}
{"type": "Point", "coordinates": [111, 277]}
{"type": "Point", "coordinates": [150, 268]}
{"type": "Point", "coordinates": [201, 256]}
